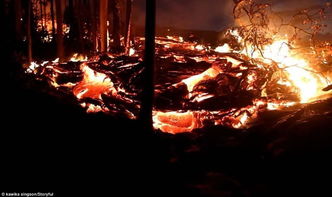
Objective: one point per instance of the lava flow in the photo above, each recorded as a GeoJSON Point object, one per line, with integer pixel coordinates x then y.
{"type": "Point", "coordinates": [196, 85]}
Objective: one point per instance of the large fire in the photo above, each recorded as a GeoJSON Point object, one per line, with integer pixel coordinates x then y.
{"type": "Point", "coordinates": [299, 73]}
{"type": "Point", "coordinates": [225, 88]}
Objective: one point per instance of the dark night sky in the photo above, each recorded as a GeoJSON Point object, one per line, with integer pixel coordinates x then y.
{"type": "Point", "coordinates": [210, 14]}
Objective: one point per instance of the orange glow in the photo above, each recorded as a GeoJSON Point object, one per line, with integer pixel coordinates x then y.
{"type": "Point", "coordinates": [175, 122]}
{"type": "Point", "coordinates": [131, 52]}
{"type": "Point", "coordinates": [299, 77]}
{"type": "Point", "coordinates": [299, 72]}
{"type": "Point", "coordinates": [46, 25]}
{"type": "Point", "coordinates": [223, 49]}
{"type": "Point", "coordinates": [93, 85]}
{"type": "Point", "coordinates": [208, 74]}
{"type": "Point", "coordinates": [78, 58]}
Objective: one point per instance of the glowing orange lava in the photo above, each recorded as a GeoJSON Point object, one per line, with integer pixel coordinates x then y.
{"type": "Point", "coordinates": [299, 76]}
{"type": "Point", "coordinates": [93, 85]}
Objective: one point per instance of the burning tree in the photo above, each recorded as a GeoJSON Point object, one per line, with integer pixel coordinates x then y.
{"type": "Point", "coordinates": [265, 35]}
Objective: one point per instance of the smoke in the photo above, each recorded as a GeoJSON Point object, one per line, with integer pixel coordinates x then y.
{"type": "Point", "coordinates": [290, 7]}
{"type": "Point", "coordinates": [189, 14]}
{"type": "Point", "coordinates": [213, 15]}
{"type": "Point", "coordinates": [296, 5]}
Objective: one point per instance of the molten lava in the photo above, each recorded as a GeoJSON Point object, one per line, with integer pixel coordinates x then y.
{"type": "Point", "coordinates": [176, 122]}
{"type": "Point", "coordinates": [93, 85]}
{"type": "Point", "coordinates": [196, 85]}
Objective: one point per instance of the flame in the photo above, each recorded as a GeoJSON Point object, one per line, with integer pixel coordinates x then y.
{"type": "Point", "coordinates": [199, 47]}
{"type": "Point", "coordinates": [175, 38]}
{"type": "Point", "coordinates": [78, 58]}
{"type": "Point", "coordinates": [223, 49]}
{"type": "Point", "coordinates": [131, 52]}
{"type": "Point", "coordinates": [277, 105]}
{"type": "Point", "coordinates": [47, 26]}
{"type": "Point", "coordinates": [308, 84]}
{"type": "Point", "coordinates": [301, 75]}
{"type": "Point", "coordinates": [299, 72]}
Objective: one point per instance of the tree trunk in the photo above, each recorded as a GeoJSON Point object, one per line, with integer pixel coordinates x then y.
{"type": "Point", "coordinates": [59, 19]}
{"type": "Point", "coordinates": [103, 24]}
{"type": "Point", "coordinates": [72, 17]}
{"type": "Point", "coordinates": [18, 16]}
{"type": "Point", "coordinates": [80, 13]}
{"type": "Point", "coordinates": [29, 16]}
{"type": "Point", "coordinates": [45, 15]}
{"type": "Point", "coordinates": [41, 13]}
{"type": "Point", "coordinates": [149, 61]}
{"type": "Point", "coordinates": [92, 24]}
{"type": "Point", "coordinates": [128, 26]}
{"type": "Point", "coordinates": [116, 25]}
{"type": "Point", "coordinates": [69, 18]}
{"type": "Point", "coordinates": [52, 18]}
